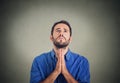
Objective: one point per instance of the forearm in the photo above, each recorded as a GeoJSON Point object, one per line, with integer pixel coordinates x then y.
{"type": "Point", "coordinates": [69, 78]}
{"type": "Point", "coordinates": [51, 78]}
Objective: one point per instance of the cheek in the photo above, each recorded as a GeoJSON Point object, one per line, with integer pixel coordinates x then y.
{"type": "Point", "coordinates": [67, 36]}
{"type": "Point", "coordinates": [54, 36]}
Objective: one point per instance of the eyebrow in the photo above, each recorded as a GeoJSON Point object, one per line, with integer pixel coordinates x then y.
{"type": "Point", "coordinates": [57, 28]}
{"type": "Point", "coordinates": [64, 29]}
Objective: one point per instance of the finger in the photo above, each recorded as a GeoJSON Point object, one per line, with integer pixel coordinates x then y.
{"type": "Point", "coordinates": [62, 59]}
{"type": "Point", "coordinates": [58, 54]}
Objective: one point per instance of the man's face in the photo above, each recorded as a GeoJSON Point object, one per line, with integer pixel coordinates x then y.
{"type": "Point", "coordinates": [61, 35]}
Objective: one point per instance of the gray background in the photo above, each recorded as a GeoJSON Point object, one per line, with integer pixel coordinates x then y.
{"type": "Point", "coordinates": [25, 29]}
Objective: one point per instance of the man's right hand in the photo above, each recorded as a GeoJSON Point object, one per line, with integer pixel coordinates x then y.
{"type": "Point", "coordinates": [58, 65]}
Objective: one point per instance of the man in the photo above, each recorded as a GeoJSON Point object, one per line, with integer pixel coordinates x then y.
{"type": "Point", "coordinates": [60, 65]}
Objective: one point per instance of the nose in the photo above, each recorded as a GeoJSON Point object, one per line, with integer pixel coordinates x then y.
{"type": "Point", "coordinates": [61, 33]}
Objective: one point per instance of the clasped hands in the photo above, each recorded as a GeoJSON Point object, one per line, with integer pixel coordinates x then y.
{"type": "Point", "coordinates": [60, 66]}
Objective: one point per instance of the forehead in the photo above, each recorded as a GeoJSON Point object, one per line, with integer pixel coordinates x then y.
{"type": "Point", "coordinates": [61, 26]}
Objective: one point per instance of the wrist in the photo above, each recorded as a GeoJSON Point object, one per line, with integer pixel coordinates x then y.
{"type": "Point", "coordinates": [57, 72]}
{"type": "Point", "coordinates": [65, 72]}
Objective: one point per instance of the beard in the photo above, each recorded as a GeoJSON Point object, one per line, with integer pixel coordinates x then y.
{"type": "Point", "coordinates": [60, 44]}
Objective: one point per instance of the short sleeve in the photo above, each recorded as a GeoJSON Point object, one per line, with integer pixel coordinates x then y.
{"type": "Point", "coordinates": [35, 74]}
{"type": "Point", "coordinates": [84, 71]}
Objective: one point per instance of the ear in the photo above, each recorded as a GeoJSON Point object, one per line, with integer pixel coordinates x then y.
{"type": "Point", "coordinates": [70, 38]}
{"type": "Point", "coordinates": [51, 37]}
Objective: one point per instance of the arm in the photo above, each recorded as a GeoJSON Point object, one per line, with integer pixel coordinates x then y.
{"type": "Point", "coordinates": [66, 74]}
{"type": "Point", "coordinates": [84, 72]}
{"type": "Point", "coordinates": [51, 78]}
{"type": "Point", "coordinates": [69, 77]}
{"type": "Point", "coordinates": [37, 76]}
{"type": "Point", "coordinates": [37, 71]}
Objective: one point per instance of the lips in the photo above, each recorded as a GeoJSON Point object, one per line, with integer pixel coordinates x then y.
{"type": "Point", "coordinates": [61, 37]}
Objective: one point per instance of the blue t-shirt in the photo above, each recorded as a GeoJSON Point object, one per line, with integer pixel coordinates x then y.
{"type": "Point", "coordinates": [45, 64]}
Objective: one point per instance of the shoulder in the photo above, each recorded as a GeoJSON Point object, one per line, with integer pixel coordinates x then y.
{"type": "Point", "coordinates": [42, 56]}
{"type": "Point", "coordinates": [79, 57]}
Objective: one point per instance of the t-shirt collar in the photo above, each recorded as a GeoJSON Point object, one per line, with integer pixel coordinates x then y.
{"type": "Point", "coordinates": [67, 55]}
{"type": "Point", "coordinates": [53, 54]}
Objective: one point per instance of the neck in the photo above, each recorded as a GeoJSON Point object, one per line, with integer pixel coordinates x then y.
{"type": "Point", "coordinates": [63, 49]}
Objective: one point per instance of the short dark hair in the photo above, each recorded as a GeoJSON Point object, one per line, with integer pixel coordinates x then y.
{"type": "Point", "coordinates": [63, 22]}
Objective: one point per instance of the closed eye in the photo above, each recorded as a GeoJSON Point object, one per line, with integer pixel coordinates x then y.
{"type": "Point", "coordinates": [58, 30]}
{"type": "Point", "coordinates": [65, 30]}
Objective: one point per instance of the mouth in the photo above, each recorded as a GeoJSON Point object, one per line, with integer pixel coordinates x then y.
{"type": "Point", "coordinates": [61, 38]}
